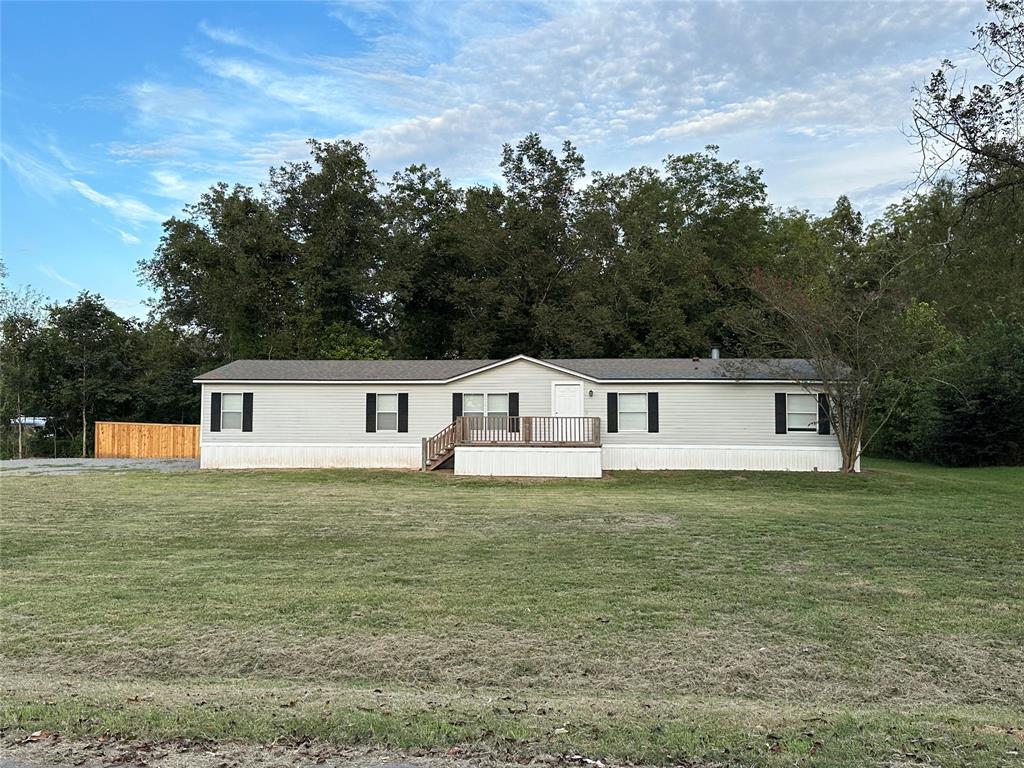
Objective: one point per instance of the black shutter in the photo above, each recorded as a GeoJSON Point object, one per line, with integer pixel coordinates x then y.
{"type": "Point", "coordinates": [456, 405]}
{"type": "Point", "coordinates": [247, 411]}
{"type": "Point", "coordinates": [652, 411]}
{"type": "Point", "coordinates": [613, 411]}
{"type": "Point", "coordinates": [780, 413]}
{"type": "Point", "coordinates": [513, 411]}
{"type": "Point", "coordinates": [403, 411]}
{"type": "Point", "coordinates": [371, 411]}
{"type": "Point", "coordinates": [824, 427]}
{"type": "Point", "coordinates": [215, 411]}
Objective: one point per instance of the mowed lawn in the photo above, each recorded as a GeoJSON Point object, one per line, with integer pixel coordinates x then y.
{"type": "Point", "coordinates": [701, 618]}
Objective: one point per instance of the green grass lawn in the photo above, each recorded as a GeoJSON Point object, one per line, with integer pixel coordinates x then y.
{"type": "Point", "coordinates": [720, 618]}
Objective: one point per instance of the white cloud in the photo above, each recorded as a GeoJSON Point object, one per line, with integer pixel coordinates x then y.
{"type": "Point", "coordinates": [53, 274]}
{"type": "Point", "coordinates": [34, 173]}
{"type": "Point", "coordinates": [628, 84]}
{"type": "Point", "coordinates": [122, 206]}
{"type": "Point", "coordinates": [128, 238]}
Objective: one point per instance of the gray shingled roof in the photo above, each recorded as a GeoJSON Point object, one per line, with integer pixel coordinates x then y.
{"type": "Point", "coordinates": [342, 370]}
{"type": "Point", "coordinates": [639, 369]}
{"type": "Point", "coordinates": [687, 368]}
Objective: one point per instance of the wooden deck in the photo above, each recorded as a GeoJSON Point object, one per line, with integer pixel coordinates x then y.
{"type": "Point", "coordinates": [522, 431]}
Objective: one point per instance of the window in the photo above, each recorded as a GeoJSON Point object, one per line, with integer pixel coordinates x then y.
{"type": "Point", "coordinates": [632, 412]}
{"type": "Point", "coordinates": [485, 405]}
{"type": "Point", "coordinates": [801, 413]}
{"type": "Point", "coordinates": [387, 413]}
{"type": "Point", "coordinates": [231, 410]}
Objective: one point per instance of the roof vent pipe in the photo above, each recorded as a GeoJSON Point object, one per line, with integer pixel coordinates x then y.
{"type": "Point", "coordinates": [715, 353]}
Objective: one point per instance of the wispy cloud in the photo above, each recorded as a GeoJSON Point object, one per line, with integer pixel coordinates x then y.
{"type": "Point", "coordinates": [52, 181]}
{"type": "Point", "coordinates": [122, 206]}
{"type": "Point", "coordinates": [628, 83]}
{"type": "Point", "coordinates": [53, 274]}
{"type": "Point", "coordinates": [34, 173]}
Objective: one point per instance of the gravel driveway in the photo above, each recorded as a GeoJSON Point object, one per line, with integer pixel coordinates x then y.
{"type": "Point", "coordinates": [22, 467]}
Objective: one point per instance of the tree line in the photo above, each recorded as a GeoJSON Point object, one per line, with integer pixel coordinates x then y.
{"type": "Point", "coordinates": [327, 260]}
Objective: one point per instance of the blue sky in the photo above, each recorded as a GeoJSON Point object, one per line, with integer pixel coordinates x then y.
{"type": "Point", "coordinates": [115, 115]}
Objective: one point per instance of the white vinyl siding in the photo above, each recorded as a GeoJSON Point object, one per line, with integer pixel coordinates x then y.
{"type": "Point", "coordinates": [694, 414]}
{"type": "Point", "coordinates": [704, 414]}
{"type": "Point", "coordinates": [231, 411]}
{"type": "Point", "coordinates": [801, 413]}
{"type": "Point", "coordinates": [632, 412]}
{"type": "Point", "coordinates": [335, 414]}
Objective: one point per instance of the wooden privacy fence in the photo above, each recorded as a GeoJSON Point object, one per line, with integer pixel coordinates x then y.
{"type": "Point", "coordinates": [136, 440]}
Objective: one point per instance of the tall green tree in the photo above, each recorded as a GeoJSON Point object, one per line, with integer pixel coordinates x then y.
{"type": "Point", "coordinates": [21, 315]}
{"type": "Point", "coordinates": [414, 304]}
{"type": "Point", "coordinates": [86, 353]}
{"type": "Point", "coordinates": [517, 293]}
{"type": "Point", "coordinates": [266, 274]}
{"type": "Point", "coordinates": [165, 359]}
{"type": "Point", "coordinates": [225, 269]}
{"type": "Point", "coordinates": [329, 212]}
{"type": "Point", "coordinates": [676, 248]}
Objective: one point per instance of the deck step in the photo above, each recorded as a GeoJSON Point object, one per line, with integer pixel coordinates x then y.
{"type": "Point", "coordinates": [436, 461]}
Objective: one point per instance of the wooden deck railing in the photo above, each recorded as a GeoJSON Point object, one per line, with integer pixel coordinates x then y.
{"type": "Point", "coordinates": [440, 444]}
{"type": "Point", "coordinates": [570, 431]}
{"type": "Point", "coordinates": [541, 431]}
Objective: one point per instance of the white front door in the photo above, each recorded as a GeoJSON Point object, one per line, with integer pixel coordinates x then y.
{"type": "Point", "coordinates": [566, 400]}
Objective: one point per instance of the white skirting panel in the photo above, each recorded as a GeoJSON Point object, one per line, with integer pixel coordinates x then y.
{"type": "Point", "coordinates": [528, 462]}
{"type": "Point", "coordinates": [297, 455]}
{"type": "Point", "coordinates": [730, 457]}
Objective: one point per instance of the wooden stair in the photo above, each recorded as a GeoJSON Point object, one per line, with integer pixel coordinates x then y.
{"type": "Point", "coordinates": [439, 448]}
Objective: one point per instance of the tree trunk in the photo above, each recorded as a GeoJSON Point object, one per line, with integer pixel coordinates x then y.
{"type": "Point", "coordinates": [850, 443]}
{"type": "Point", "coordinates": [21, 419]}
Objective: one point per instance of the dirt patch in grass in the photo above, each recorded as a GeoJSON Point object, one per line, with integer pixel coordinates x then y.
{"type": "Point", "coordinates": [294, 726]}
{"type": "Point", "coordinates": [48, 748]}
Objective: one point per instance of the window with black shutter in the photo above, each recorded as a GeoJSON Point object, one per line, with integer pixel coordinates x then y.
{"type": "Point", "coordinates": [403, 411]}
{"type": "Point", "coordinates": [215, 411]}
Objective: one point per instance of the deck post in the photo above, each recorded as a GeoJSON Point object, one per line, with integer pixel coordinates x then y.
{"type": "Point", "coordinates": [423, 453]}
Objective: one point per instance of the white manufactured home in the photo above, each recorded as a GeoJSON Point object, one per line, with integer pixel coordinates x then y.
{"type": "Point", "coordinates": [520, 416]}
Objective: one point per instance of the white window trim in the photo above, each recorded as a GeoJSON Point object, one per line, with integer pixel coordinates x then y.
{"type": "Point", "coordinates": [240, 411]}
{"type": "Point", "coordinates": [379, 411]}
{"type": "Point", "coordinates": [647, 410]}
{"type": "Point", "coordinates": [817, 414]}
{"type": "Point", "coordinates": [486, 396]}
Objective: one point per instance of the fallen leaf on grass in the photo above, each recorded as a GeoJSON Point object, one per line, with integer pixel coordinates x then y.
{"type": "Point", "coordinates": [586, 761]}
